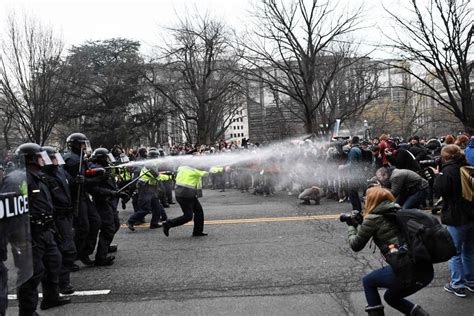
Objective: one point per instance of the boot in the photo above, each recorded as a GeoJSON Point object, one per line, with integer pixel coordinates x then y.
{"type": "Point", "coordinates": [418, 311]}
{"type": "Point", "coordinates": [107, 261]}
{"type": "Point", "coordinates": [375, 310]}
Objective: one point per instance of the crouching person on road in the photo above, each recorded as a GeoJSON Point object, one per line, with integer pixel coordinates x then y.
{"type": "Point", "coordinates": [373, 224]}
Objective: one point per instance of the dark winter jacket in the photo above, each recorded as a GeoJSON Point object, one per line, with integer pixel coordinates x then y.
{"type": "Point", "coordinates": [456, 210]}
{"type": "Point", "coordinates": [404, 182]}
{"type": "Point", "coordinates": [404, 159]}
{"type": "Point", "coordinates": [376, 226]}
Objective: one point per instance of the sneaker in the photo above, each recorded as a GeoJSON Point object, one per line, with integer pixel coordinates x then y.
{"type": "Point", "coordinates": [470, 288]}
{"type": "Point", "coordinates": [460, 292]}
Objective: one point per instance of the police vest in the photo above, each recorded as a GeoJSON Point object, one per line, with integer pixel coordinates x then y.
{"type": "Point", "coordinates": [165, 177]}
{"type": "Point", "coordinates": [189, 177]}
{"type": "Point", "coordinates": [148, 177]}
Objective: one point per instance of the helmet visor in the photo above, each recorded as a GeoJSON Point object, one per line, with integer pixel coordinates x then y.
{"type": "Point", "coordinates": [88, 146]}
{"type": "Point", "coordinates": [57, 159]}
{"type": "Point", "coordinates": [124, 159]}
{"type": "Point", "coordinates": [110, 158]}
{"type": "Point", "coordinates": [45, 160]}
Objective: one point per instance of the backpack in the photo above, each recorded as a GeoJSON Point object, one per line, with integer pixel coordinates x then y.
{"type": "Point", "coordinates": [467, 183]}
{"type": "Point", "coordinates": [366, 156]}
{"type": "Point", "coordinates": [425, 238]}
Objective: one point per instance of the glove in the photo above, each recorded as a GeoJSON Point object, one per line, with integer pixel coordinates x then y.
{"type": "Point", "coordinates": [121, 194]}
{"type": "Point", "coordinates": [80, 179]}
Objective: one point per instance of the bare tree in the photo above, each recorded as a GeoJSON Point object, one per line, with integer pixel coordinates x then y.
{"type": "Point", "coordinates": [150, 116]}
{"type": "Point", "coordinates": [30, 78]}
{"type": "Point", "coordinates": [352, 88]}
{"type": "Point", "coordinates": [203, 82]}
{"type": "Point", "coordinates": [288, 46]}
{"type": "Point", "coordinates": [437, 39]}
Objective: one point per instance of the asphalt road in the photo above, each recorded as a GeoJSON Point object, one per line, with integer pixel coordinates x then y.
{"type": "Point", "coordinates": [263, 256]}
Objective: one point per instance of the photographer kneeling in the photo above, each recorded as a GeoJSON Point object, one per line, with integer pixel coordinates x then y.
{"type": "Point", "coordinates": [373, 224]}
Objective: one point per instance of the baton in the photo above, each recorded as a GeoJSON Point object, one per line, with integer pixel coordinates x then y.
{"type": "Point", "coordinates": [130, 183]}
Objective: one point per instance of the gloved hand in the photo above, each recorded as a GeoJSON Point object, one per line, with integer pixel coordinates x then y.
{"type": "Point", "coordinates": [80, 179]}
{"type": "Point", "coordinates": [123, 195]}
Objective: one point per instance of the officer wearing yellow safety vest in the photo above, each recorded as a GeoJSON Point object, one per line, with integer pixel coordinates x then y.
{"type": "Point", "coordinates": [148, 197]}
{"type": "Point", "coordinates": [188, 190]}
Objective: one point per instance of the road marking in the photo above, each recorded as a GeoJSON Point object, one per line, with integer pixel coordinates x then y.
{"type": "Point", "coordinates": [77, 293]}
{"type": "Point", "coordinates": [256, 220]}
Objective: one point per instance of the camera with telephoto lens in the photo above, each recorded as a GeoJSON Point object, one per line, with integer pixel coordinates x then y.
{"type": "Point", "coordinates": [435, 162]}
{"type": "Point", "coordinates": [354, 218]}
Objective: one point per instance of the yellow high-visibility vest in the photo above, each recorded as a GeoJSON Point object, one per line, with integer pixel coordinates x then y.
{"type": "Point", "coordinates": [189, 177]}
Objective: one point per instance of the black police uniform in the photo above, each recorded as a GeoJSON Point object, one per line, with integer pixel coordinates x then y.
{"type": "Point", "coordinates": [9, 228]}
{"type": "Point", "coordinates": [59, 184]}
{"type": "Point", "coordinates": [46, 256]}
{"type": "Point", "coordinates": [105, 200]}
{"type": "Point", "coordinates": [87, 220]}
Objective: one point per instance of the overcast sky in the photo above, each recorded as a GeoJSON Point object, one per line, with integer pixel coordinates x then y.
{"type": "Point", "coordinates": [79, 20]}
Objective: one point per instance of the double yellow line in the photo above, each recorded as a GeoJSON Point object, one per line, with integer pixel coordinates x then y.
{"type": "Point", "coordinates": [260, 220]}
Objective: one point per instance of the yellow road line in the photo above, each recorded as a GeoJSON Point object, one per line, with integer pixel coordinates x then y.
{"type": "Point", "coordinates": [259, 220]}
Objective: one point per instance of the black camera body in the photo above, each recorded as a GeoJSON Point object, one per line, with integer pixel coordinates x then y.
{"type": "Point", "coordinates": [354, 218]}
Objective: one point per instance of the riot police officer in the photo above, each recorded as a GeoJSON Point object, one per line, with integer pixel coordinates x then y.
{"type": "Point", "coordinates": [59, 184]}
{"type": "Point", "coordinates": [141, 155]}
{"type": "Point", "coordinates": [46, 256]}
{"type": "Point", "coordinates": [86, 218]}
{"type": "Point", "coordinates": [105, 196]}
{"type": "Point", "coordinates": [148, 196]}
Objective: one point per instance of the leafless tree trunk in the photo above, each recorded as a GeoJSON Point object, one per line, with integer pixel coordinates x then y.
{"type": "Point", "coordinates": [437, 38]}
{"type": "Point", "coordinates": [290, 43]}
{"type": "Point", "coordinates": [30, 78]}
{"type": "Point", "coordinates": [353, 87]}
{"type": "Point", "coordinates": [204, 85]}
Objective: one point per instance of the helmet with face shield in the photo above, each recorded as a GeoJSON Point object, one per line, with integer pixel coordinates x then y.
{"type": "Point", "coordinates": [102, 156]}
{"type": "Point", "coordinates": [54, 155]}
{"type": "Point", "coordinates": [78, 141]}
{"type": "Point", "coordinates": [32, 154]}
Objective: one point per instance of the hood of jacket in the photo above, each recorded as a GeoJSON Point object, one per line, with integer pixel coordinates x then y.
{"type": "Point", "coordinates": [385, 207]}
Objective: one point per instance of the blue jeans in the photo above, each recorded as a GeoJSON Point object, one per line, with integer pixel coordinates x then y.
{"type": "Point", "coordinates": [396, 293]}
{"type": "Point", "coordinates": [462, 265]}
{"type": "Point", "coordinates": [415, 200]}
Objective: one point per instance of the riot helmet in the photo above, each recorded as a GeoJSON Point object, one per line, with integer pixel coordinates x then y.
{"type": "Point", "coordinates": [32, 154]}
{"type": "Point", "coordinates": [153, 153]}
{"type": "Point", "coordinates": [78, 141]}
{"type": "Point", "coordinates": [161, 152]}
{"type": "Point", "coordinates": [142, 152]}
{"type": "Point", "coordinates": [102, 156]}
{"type": "Point", "coordinates": [54, 155]}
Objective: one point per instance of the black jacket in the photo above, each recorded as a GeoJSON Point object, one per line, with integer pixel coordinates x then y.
{"type": "Point", "coordinates": [59, 184]}
{"type": "Point", "coordinates": [456, 210]}
{"type": "Point", "coordinates": [40, 203]}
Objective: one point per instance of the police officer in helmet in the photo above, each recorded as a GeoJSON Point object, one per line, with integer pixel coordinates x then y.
{"type": "Point", "coordinates": [59, 183]}
{"type": "Point", "coordinates": [105, 196]}
{"type": "Point", "coordinates": [46, 256]}
{"type": "Point", "coordinates": [86, 218]}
